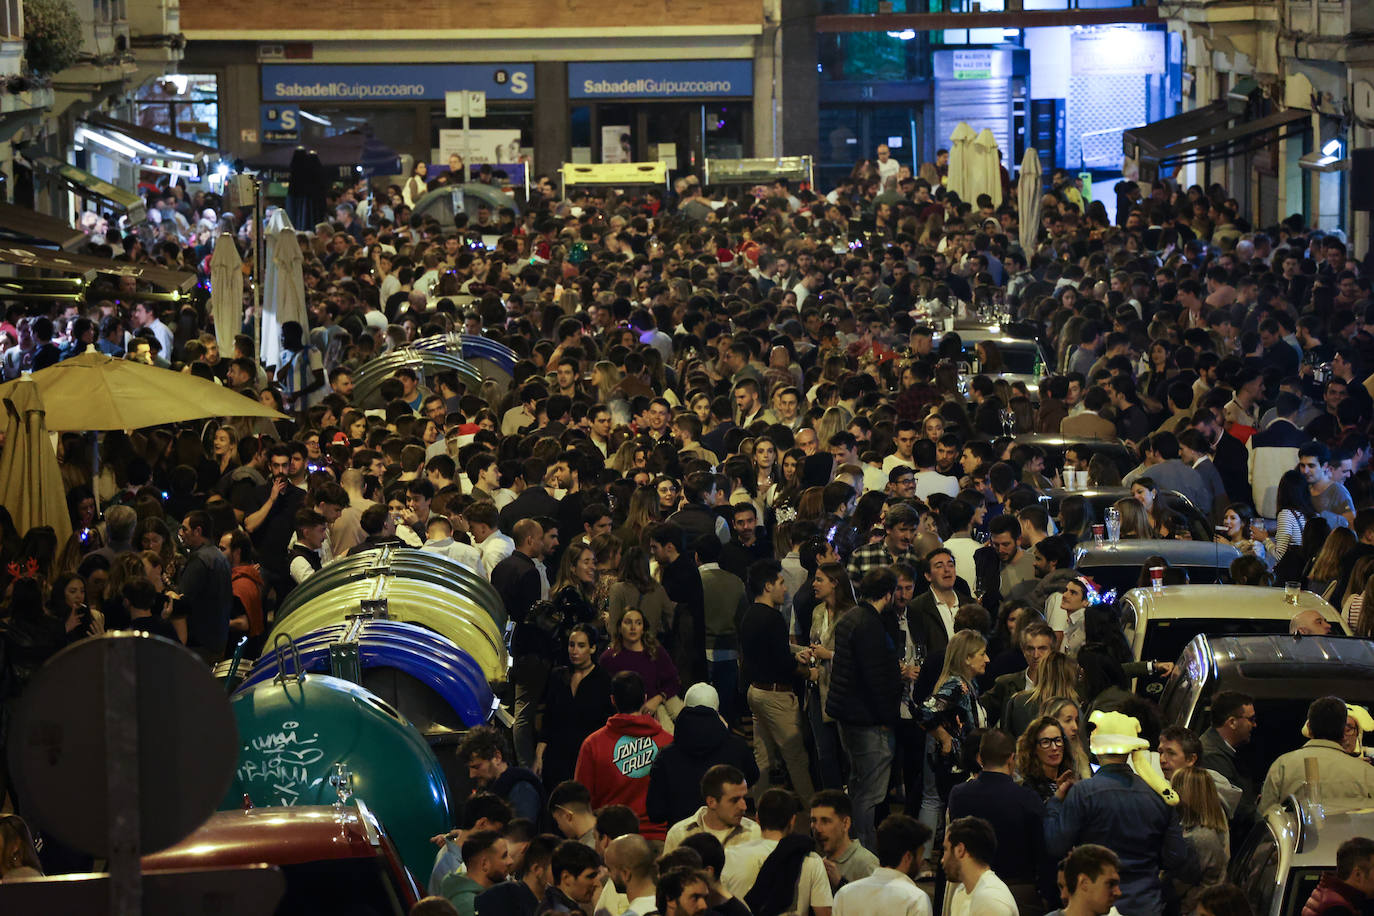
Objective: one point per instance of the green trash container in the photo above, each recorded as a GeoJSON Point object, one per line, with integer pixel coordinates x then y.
{"type": "Point", "coordinates": [293, 735]}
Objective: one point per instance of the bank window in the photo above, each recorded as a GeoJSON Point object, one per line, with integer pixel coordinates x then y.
{"type": "Point", "coordinates": [183, 105]}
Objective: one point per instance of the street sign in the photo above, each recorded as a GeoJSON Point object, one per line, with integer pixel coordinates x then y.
{"type": "Point", "coordinates": [465, 103]}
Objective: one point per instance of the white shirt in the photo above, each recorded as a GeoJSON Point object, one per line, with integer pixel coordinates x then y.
{"type": "Point", "coordinates": [963, 549]}
{"type": "Point", "coordinates": [947, 611]}
{"type": "Point", "coordinates": [463, 554]}
{"type": "Point", "coordinates": [641, 905]}
{"type": "Point", "coordinates": [742, 864]}
{"type": "Point", "coordinates": [886, 891]}
{"type": "Point", "coordinates": [990, 897]}
{"type": "Point", "coordinates": [893, 460]}
{"type": "Point", "coordinates": [928, 482]}
{"type": "Point", "coordinates": [874, 479]}
{"type": "Point", "coordinates": [494, 549]}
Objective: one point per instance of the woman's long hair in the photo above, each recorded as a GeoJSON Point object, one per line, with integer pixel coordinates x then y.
{"type": "Point", "coordinates": [1199, 805]}
{"type": "Point", "coordinates": [650, 643]}
{"type": "Point", "coordinates": [1026, 763]}
{"type": "Point", "coordinates": [1294, 496]}
{"type": "Point", "coordinates": [1327, 565]}
{"type": "Point", "coordinates": [962, 646]}
{"type": "Point", "coordinates": [1135, 521]}
{"type": "Point", "coordinates": [844, 588]}
{"type": "Point", "coordinates": [634, 569]}
{"type": "Point", "coordinates": [1056, 678]}
{"type": "Point", "coordinates": [567, 571]}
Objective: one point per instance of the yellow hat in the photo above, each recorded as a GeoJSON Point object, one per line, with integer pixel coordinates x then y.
{"type": "Point", "coordinates": [1115, 733]}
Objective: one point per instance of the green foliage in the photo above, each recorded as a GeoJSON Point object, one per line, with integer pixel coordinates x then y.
{"type": "Point", "coordinates": [52, 35]}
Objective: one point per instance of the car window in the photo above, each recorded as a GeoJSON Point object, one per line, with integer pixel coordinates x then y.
{"type": "Point", "coordinates": [1255, 872]}
{"type": "Point", "coordinates": [1019, 359]}
{"type": "Point", "coordinates": [1301, 883]}
{"type": "Point", "coordinates": [359, 887]}
{"type": "Point", "coordinates": [1166, 637]}
{"type": "Point", "coordinates": [1183, 690]}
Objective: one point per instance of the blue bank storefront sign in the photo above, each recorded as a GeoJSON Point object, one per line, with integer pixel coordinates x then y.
{"type": "Point", "coordinates": [665, 79]}
{"type": "Point", "coordinates": [393, 83]}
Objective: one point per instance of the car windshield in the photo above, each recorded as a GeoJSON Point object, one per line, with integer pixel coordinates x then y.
{"type": "Point", "coordinates": [359, 887]}
{"type": "Point", "coordinates": [1301, 883]}
{"type": "Point", "coordinates": [1166, 638]}
{"type": "Point", "coordinates": [1017, 357]}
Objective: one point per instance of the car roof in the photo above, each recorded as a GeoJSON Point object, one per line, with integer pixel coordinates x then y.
{"type": "Point", "coordinates": [1056, 440]}
{"type": "Point", "coordinates": [1134, 551]}
{"type": "Point", "coordinates": [274, 835]}
{"type": "Point", "coordinates": [1312, 838]}
{"type": "Point", "coordinates": [1224, 601]}
{"type": "Point", "coordinates": [1273, 666]}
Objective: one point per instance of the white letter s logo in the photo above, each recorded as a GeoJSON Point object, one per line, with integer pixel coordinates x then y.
{"type": "Point", "coordinates": [519, 82]}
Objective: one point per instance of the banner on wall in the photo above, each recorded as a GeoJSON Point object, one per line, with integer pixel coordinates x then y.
{"type": "Point", "coordinates": [1119, 51]}
{"type": "Point", "coordinates": [485, 146]}
{"type": "Point", "coordinates": [392, 82]}
{"type": "Point", "coordinates": [661, 79]}
{"type": "Point", "coordinates": [615, 143]}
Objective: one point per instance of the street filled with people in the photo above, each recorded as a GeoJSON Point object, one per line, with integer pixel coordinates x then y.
{"type": "Point", "coordinates": [814, 513]}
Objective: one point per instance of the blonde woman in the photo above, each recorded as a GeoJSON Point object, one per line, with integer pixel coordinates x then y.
{"type": "Point", "coordinates": [1205, 828]}
{"type": "Point", "coordinates": [1056, 677]}
{"type": "Point", "coordinates": [1068, 714]}
{"type": "Point", "coordinates": [834, 420]}
{"type": "Point", "coordinates": [1135, 519]}
{"type": "Point", "coordinates": [953, 710]}
{"type": "Point", "coordinates": [606, 376]}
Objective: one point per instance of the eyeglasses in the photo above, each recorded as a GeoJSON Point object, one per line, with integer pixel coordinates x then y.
{"type": "Point", "coordinates": [1049, 742]}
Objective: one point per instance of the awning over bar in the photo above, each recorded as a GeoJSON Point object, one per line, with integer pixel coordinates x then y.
{"type": "Point", "coordinates": [1147, 141]}
{"type": "Point", "coordinates": [84, 183]}
{"type": "Point", "coordinates": [153, 138]}
{"type": "Point", "coordinates": [29, 256]}
{"type": "Point", "coordinates": [29, 226]}
{"type": "Point", "coordinates": [1231, 141]}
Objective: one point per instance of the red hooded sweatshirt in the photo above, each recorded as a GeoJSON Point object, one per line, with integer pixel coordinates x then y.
{"type": "Point", "coordinates": [614, 765]}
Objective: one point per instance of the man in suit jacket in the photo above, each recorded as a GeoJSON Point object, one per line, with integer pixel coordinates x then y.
{"type": "Point", "coordinates": [1090, 424]}
{"type": "Point", "coordinates": [534, 500]}
{"type": "Point", "coordinates": [1017, 816]}
{"type": "Point", "coordinates": [930, 617]}
{"type": "Point", "coordinates": [1036, 641]}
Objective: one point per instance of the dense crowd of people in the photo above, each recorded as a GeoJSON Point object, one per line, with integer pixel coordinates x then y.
{"type": "Point", "coordinates": [775, 539]}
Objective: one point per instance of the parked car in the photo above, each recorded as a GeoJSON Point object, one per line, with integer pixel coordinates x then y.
{"type": "Point", "coordinates": [1053, 445]}
{"type": "Point", "coordinates": [1160, 623]}
{"type": "Point", "coordinates": [336, 858]}
{"type": "Point", "coordinates": [1102, 499]}
{"type": "Point", "coordinates": [1283, 673]}
{"type": "Point", "coordinates": [1284, 857]}
{"type": "Point", "coordinates": [1018, 355]}
{"type": "Point", "coordinates": [1117, 566]}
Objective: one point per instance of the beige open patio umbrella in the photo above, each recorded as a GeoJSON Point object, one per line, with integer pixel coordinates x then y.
{"type": "Point", "coordinates": [93, 391]}
{"type": "Point", "coordinates": [30, 480]}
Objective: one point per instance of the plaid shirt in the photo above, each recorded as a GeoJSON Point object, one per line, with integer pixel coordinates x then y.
{"type": "Point", "coordinates": [874, 556]}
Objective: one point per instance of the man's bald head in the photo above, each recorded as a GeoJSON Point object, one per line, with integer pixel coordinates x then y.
{"type": "Point", "coordinates": [525, 533]}
{"type": "Point", "coordinates": [1309, 623]}
{"type": "Point", "coordinates": [632, 855]}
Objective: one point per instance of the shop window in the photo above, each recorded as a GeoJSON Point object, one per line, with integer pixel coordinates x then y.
{"type": "Point", "coordinates": [874, 56]}
{"type": "Point", "coordinates": [183, 105]}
